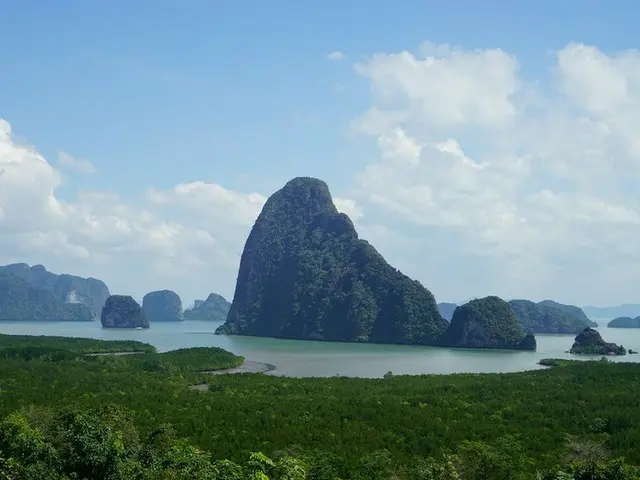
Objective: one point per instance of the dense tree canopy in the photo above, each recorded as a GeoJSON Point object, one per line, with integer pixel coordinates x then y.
{"type": "Point", "coordinates": [136, 417]}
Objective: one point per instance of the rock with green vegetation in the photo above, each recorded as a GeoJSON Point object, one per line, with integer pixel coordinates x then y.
{"type": "Point", "coordinates": [162, 306]}
{"type": "Point", "coordinates": [305, 274]}
{"type": "Point", "coordinates": [20, 301]}
{"type": "Point", "coordinates": [572, 310]}
{"type": "Point", "coordinates": [486, 323]}
{"type": "Point", "coordinates": [624, 322]}
{"type": "Point", "coordinates": [214, 308]}
{"type": "Point", "coordinates": [122, 311]}
{"type": "Point", "coordinates": [65, 288]}
{"type": "Point", "coordinates": [545, 317]}
{"type": "Point", "coordinates": [446, 310]}
{"type": "Point", "coordinates": [590, 342]}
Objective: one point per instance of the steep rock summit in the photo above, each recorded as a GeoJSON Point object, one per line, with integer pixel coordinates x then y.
{"type": "Point", "coordinates": [122, 311]}
{"type": "Point", "coordinates": [590, 342]}
{"type": "Point", "coordinates": [486, 323]}
{"type": "Point", "coordinates": [65, 288]}
{"type": "Point", "coordinates": [20, 301]}
{"type": "Point", "coordinates": [162, 306]}
{"type": "Point", "coordinates": [624, 322]}
{"type": "Point", "coordinates": [215, 308]}
{"type": "Point", "coordinates": [547, 317]}
{"type": "Point", "coordinates": [305, 274]}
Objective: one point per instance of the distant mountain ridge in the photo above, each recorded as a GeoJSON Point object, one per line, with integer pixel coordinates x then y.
{"type": "Point", "coordinates": [65, 288]}
{"type": "Point", "coordinates": [21, 301]}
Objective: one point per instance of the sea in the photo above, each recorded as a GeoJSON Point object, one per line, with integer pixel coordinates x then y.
{"type": "Point", "coordinates": [301, 358]}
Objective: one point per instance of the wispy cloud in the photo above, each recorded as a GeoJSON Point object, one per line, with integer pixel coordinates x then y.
{"type": "Point", "coordinates": [337, 55]}
{"type": "Point", "coordinates": [78, 164]}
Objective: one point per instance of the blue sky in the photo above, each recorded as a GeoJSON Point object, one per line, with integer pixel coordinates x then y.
{"type": "Point", "coordinates": [214, 90]}
{"type": "Point", "coordinates": [241, 94]}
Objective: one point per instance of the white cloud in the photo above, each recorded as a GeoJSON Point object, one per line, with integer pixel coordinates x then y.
{"type": "Point", "coordinates": [79, 164]}
{"type": "Point", "coordinates": [336, 55]}
{"type": "Point", "coordinates": [446, 87]}
{"type": "Point", "coordinates": [187, 238]}
{"type": "Point", "coordinates": [522, 190]}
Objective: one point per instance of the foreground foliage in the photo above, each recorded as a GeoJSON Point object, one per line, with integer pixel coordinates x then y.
{"type": "Point", "coordinates": [117, 417]}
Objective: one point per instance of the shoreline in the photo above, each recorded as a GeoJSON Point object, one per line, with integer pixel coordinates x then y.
{"type": "Point", "coordinates": [248, 366]}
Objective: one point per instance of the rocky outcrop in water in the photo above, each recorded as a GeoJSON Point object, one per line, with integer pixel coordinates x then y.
{"type": "Point", "coordinates": [305, 274]}
{"type": "Point", "coordinates": [65, 288]}
{"type": "Point", "coordinates": [20, 301]}
{"type": "Point", "coordinates": [590, 342]}
{"type": "Point", "coordinates": [624, 322]}
{"type": "Point", "coordinates": [162, 306]}
{"type": "Point", "coordinates": [486, 323]}
{"type": "Point", "coordinates": [214, 308]}
{"type": "Point", "coordinates": [122, 311]}
{"type": "Point", "coordinates": [546, 317]}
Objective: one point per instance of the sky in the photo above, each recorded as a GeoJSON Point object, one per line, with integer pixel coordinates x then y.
{"type": "Point", "coordinates": [482, 147]}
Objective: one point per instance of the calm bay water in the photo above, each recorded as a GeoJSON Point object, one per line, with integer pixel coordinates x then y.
{"type": "Point", "coordinates": [326, 359]}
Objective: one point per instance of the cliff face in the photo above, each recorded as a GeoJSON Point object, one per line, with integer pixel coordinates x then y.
{"type": "Point", "coordinates": [162, 306]}
{"type": "Point", "coordinates": [19, 301]}
{"type": "Point", "coordinates": [214, 308]}
{"type": "Point", "coordinates": [486, 323]}
{"type": "Point", "coordinates": [305, 274]}
{"type": "Point", "coordinates": [624, 322]}
{"type": "Point", "coordinates": [546, 317]}
{"type": "Point", "coordinates": [65, 288]}
{"type": "Point", "coordinates": [590, 342]}
{"type": "Point", "coordinates": [122, 311]}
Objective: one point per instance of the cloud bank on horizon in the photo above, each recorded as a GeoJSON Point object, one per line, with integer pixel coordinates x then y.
{"type": "Point", "coordinates": [484, 182]}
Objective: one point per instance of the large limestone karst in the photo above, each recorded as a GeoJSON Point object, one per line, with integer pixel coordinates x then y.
{"type": "Point", "coordinates": [214, 308]}
{"type": "Point", "coordinates": [590, 342]}
{"type": "Point", "coordinates": [305, 274]}
{"type": "Point", "coordinates": [65, 288]}
{"type": "Point", "coordinates": [548, 317]}
{"type": "Point", "coordinates": [162, 306]}
{"type": "Point", "coordinates": [486, 323]}
{"type": "Point", "coordinates": [122, 311]}
{"type": "Point", "coordinates": [20, 301]}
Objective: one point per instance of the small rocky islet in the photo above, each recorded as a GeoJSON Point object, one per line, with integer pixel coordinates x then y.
{"type": "Point", "coordinates": [590, 342]}
{"type": "Point", "coordinates": [122, 311]}
{"type": "Point", "coordinates": [163, 306]}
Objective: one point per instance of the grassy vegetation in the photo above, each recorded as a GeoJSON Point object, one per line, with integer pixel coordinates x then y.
{"type": "Point", "coordinates": [578, 415]}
